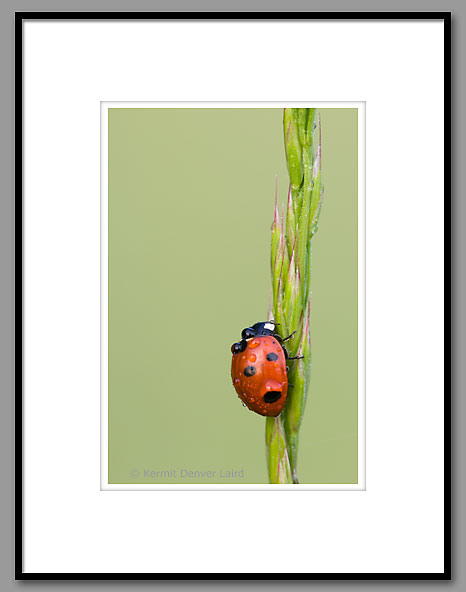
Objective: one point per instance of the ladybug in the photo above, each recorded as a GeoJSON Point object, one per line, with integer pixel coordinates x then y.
{"type": "Point", "coordinates": [259, 370]}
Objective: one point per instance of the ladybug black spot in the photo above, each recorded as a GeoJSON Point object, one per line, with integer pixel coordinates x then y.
{"type": "Point", "coordinates": [249, 370]}
{"type": "Point", "coordinates": [271, 357]}
{"type": "Point", "coordinates": [272, 396]}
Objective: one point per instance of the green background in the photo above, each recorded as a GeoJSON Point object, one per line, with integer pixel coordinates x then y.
{"type": "Point", "coordinates": [191, 195]}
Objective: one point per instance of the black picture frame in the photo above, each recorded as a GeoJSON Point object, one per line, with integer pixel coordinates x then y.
{"type": "Point", "coordinates": [20, 17]}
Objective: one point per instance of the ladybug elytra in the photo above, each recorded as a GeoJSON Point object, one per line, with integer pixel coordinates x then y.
{"type": "Point", "coordinates": [259, 370]}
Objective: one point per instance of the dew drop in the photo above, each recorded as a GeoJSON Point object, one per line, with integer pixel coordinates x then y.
{"type": "Point", "coordinates": [252, 358]}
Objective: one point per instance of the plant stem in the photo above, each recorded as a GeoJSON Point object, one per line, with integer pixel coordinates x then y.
{"type": "Point", "coordinates": [278, 462]}
{"type": "Point", "coordinates": [291, 280]}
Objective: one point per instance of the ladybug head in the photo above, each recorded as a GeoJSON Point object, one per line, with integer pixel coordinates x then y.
{"type": "Point", "coordinates": [258, 329]}
{"type": "Point", "coordinates": [239, 347]}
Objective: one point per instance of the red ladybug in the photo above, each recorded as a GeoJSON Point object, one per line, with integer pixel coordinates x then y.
{"type": "Point", "coordinates": [259, 370]}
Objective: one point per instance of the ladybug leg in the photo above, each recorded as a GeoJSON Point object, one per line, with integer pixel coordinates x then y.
{"type": "Point", "coordinates": [289, 336]}
{"type": "Point", "coordinates": [287, 357]}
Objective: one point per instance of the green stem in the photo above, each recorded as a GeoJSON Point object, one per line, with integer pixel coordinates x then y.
{"type": "Point", "coordinates": [278, 461]}
{"type": "Point", "coordinates": [293, 453]}
{"type": "Point", "coordinates": [291, 280]}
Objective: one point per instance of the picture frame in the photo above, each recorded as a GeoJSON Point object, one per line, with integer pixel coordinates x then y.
{"type": "Point", "coordinates": [28, 466]}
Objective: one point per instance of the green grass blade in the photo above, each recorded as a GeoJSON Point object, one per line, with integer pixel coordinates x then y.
{"type": "Point", "coordinates": [291, 260]}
